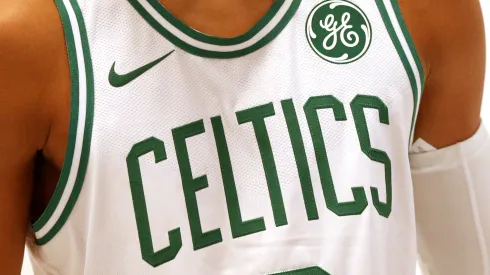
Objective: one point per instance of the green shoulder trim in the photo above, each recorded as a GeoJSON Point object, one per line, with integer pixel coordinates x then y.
{"type": "Point", "coordinates": [191, 40]}
{"type": "Point", "coordinates": [403, 56]}
{"type": "Point", "coordinates": [74, 54]}
{"type": "Point", "coordinates": [72, 131]}
{"type": "Point", "coordinates": [410, 42]}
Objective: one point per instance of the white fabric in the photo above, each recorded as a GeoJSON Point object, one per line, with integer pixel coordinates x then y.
{"type": "Point", "coordinates": [452, 201]}
{"type": "Point", "coordinates": [421, 146]}
{"type": "Point", "coordinates": [101, 234]}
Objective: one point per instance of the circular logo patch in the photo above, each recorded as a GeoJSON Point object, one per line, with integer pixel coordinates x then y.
{"type": "Point", "coordinates": [338, 31]}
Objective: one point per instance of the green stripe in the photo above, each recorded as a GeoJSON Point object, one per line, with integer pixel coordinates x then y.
{"type": "Point", "coordinates": [410, 43]}
{"type": "Point", "coordinates": [404, 59]}
{"type": "Point", "coordinates": [276, 6]}
{"type": "Point", "coordinates": [314, 270]}
{"type": "Point", "coordinates": [72, 130]}
{"type": "Point", "coordinates": [88, 121]}
{"type": "Point", "coordinates": [215, 54]}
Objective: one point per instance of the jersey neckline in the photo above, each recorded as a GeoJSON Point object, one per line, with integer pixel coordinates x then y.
{"type": "Point", "coordinates": [264, 31]}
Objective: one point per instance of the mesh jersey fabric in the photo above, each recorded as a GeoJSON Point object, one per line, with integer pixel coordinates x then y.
{"type": "Point", "coordinates": [249, 156]}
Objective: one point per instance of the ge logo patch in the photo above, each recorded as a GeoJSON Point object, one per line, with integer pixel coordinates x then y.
{"type": "Point", "coordinates": [338, 31]}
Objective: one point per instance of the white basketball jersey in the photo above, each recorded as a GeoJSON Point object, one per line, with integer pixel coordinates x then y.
{"type": "Point", "coordinates": [280, 151]}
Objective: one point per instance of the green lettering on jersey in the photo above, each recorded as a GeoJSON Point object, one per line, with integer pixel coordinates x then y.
{"type": "Point", "coordinates": [358, 105]}
{"type": "Point", "coordinates": [139, 203]}
{"type": "Point", "coordinates": [300, 157]}
{"type": "Point", "coordinates": [311, 108]}
{"type": "Point", "coordinates": [192, 185]}
{"type": "Point", "coordinates": [257, 116]}
{"type": "Point", "coordinates": [239, 228]}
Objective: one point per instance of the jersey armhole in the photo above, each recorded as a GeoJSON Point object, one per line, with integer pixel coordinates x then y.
{"type": "Point", "coordinates": [403, 42]}
{"type": "Point", "coordinates": [77, 153]}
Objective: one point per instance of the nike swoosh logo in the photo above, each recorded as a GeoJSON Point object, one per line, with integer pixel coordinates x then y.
{"type": "Point", "coordinates": [119, 80]}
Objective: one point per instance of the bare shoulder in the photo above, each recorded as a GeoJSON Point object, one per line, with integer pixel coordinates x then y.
{"type": "Point", "coordinates": [31, 37]}
{"type": "Point", "coordinates": [450, 39]}
{"type": "Point", "coordinates": [34, 77]}
{"type": "Point", "coordinates": [33, 62]}
{"type": "Point", "coordinates": [432, 23]}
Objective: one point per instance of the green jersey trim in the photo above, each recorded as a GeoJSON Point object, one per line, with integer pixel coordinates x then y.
{"type": "Point", "coordinates": [72, 130]}
{"type": "Point", "coordinates": [411, 44]}
{"type": "Point", "coordinates": [82, 89]}
{"type": "Point", "coordinates": [197, 43]}
{"type": "Point", "coordinates": [397, 29]}
{"type": "Point", "coordinates": [212, 39]}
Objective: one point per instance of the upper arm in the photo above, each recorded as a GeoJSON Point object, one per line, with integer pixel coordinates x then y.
{"type": "Point", "coordinates": [25, 73]}
{"type": "Point", "coordinates": [450, 185]}
{"type": "Point", "coordinates": [451, 41]}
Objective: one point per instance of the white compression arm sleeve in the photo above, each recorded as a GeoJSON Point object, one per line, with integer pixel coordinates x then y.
{"type": "Point", "coordinates": [452, 206]}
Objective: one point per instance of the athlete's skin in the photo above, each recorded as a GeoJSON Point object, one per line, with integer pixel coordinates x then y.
{"type": "Point", "coordinates": [35, 90]}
